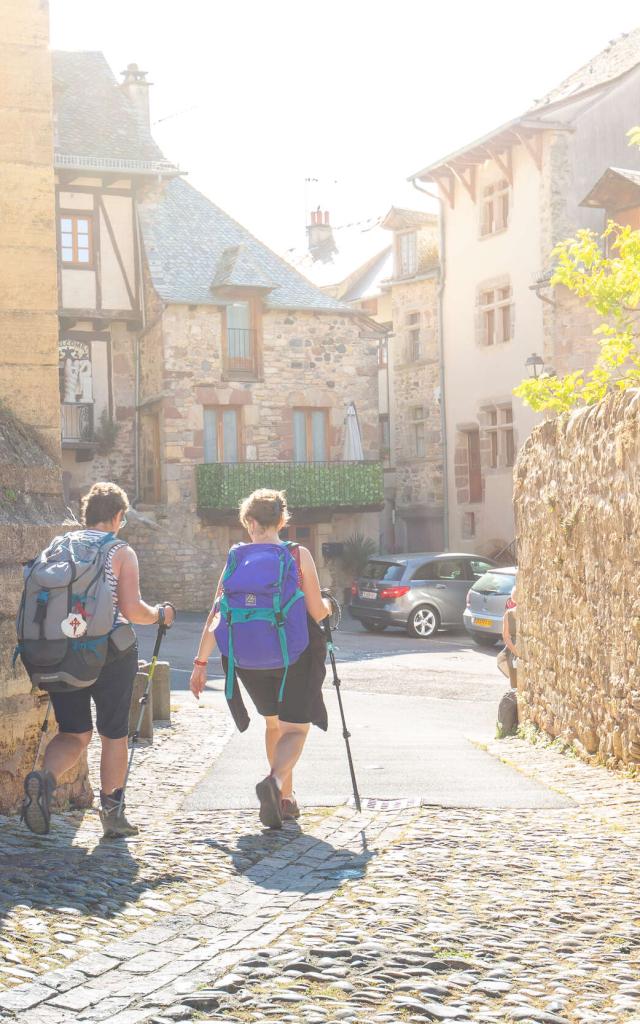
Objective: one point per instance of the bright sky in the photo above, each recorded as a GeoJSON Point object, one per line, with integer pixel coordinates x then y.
{"type": "Point", "coordinates": [252, 97]}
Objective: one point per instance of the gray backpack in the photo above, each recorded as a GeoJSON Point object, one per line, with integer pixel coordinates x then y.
{"type": "Point", "coordinates": [66, 617]}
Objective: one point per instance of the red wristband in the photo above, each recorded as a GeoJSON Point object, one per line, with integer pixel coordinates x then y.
{"type": "Point", "coordinates": [202, 664]}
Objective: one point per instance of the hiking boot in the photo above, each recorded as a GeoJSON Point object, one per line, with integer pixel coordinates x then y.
{"type": "Point", "coordinates": [269, 796]}
{"type": "Point", "coordinates": [36, 806]}
{"type": "Point", "coordinates": [114, 821]}
{"type": "Point", "coordinates": [290, 809]}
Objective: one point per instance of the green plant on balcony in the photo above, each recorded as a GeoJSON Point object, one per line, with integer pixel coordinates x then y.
{"type": "Point", "coordinates": [308, 485]}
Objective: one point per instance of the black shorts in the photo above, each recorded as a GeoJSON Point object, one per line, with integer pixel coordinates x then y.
{"type": "Point", "coordinates": [263, 686]}
{"type": "Point", "coordinates": [111, 695]}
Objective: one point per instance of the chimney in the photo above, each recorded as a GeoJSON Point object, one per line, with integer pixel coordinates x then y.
{"type": "Point", "coordinates": [322, 244]}
{"type": "Point", "coordinates": [136, 87]}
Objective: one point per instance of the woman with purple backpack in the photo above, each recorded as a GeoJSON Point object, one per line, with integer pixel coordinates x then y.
{"type": "Point", "coordinates": [265, 619]}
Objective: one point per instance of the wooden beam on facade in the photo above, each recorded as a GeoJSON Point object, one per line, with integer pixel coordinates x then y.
{"type": "Point", "coordinates": [114, 243]}
{"type": "Point", "coordinates": [506, 166]}
{"type": "Point", "coordinates": [466, 177]}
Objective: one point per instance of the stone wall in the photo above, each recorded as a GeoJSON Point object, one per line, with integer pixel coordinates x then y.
{"type": "Point", "coordinates": [31, 511]}
{"type": "Point", "coordinates": [416, 383]}
{"type": "Point", "coordinates": [577, 503]}
{"type": "Point", "coordinates": [31, 507]}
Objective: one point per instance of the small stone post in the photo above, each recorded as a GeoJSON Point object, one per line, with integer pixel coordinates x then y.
{"type": "Point", "coordinates": [162, 692]}
{"type": "Point", "coordinates": [146, 728]}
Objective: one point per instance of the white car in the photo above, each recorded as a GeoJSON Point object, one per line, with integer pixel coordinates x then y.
{"type": "Point", "coordinates": [487, 602]}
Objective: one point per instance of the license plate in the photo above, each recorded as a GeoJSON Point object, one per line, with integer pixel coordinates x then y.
{"type": "Point", "coordinates": [482, 622]}
{"type": "Point", "coordinates": [369, 595]}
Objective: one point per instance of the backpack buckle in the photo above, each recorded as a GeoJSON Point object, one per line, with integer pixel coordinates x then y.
{"type": "Point", "coordinates": [279, 620]}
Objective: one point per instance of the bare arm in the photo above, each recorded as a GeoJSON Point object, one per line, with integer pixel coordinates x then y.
{"type": "Point", "coordinates": [206, 648]}
{"type": "Point", "coordinates": [130, 603]}
{"type": "Point", "coordinates": [317, 607]}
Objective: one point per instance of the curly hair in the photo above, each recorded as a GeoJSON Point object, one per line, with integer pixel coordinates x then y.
{"type": "Point", "coordinates": [267, 507]}
{"type": "Point", "coordinates": [102, 503]}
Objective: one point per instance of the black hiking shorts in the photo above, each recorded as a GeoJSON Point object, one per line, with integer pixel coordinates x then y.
{"type": "Point", "coordinates": [263, 686]}
{"type": "Point", "coordinates": [111, 694]}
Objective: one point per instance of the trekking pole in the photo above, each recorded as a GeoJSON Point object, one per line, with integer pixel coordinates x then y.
{"type": "Point", "coordinates": [345, 732]}
{"type": "Point", "coordinates": [44, 728]}
{"type": "Point", "coordinates": [144, 700]}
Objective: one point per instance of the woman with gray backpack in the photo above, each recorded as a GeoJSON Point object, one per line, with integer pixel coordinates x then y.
{"type": "Point", "coordinates": [75, 639]}
{"type": "Point", "coordinates": [264, 619]}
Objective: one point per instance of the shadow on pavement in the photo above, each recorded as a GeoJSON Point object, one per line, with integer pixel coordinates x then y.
{"type": "Point", "coordinates": [316, 866]}
{"type": "Point", "coordinates": [51, 873]}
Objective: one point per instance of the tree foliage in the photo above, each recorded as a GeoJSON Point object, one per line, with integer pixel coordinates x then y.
{"type": "Point", "coordinates": [604, 271]}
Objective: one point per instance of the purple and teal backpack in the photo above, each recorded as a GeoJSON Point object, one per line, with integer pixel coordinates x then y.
{"type": "Point", "coordinates": [263, 618]}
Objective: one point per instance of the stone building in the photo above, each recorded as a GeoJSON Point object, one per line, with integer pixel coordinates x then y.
{"type": "Point", "coordinates": [247, 372]}
{"type": "Point", "coordinates": [31, 506]}
{"type": "Point", "coordinates": [195, 364]}
{"type": "Point", "coordinates": [104, 158]}
{"type": "Point", "coordinates": [415, 380]}
{"type": "Point", "coordinates": [352, 263]}
{"type": "Point", "coordinates": [506, 200]}
{"type": "Point", "coordinates": [395, 283]}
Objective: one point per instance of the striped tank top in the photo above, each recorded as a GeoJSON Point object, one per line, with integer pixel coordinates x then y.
{"type": "Point", "coordinates": [93, 536]}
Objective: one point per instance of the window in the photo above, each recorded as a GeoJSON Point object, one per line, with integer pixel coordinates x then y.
{"type": "Point", "coordinates": [76, 240]}
{"type": "Point", "coordinates": [413, 337]}
{"type": "Point", "coordinates": [468, 525]}
{"type": "Point", "coordinates": [310, 429]}
{"type": "Point", "coordinates": [449, 569]}
{"type": "Point", "coordinates": [499, 429]}
{"type": "Point", "coordinates": [478, 567]}
{"type": "Point", "coordinates": [221, 434]}
{"type": "Point", "coordinates": [240, 354]}
{"type": "Point", "coordinates": [496, 315]}
{"type": "Point", "coordinates": [419, 430]}
{"type": "Point", "coordinates": [424, 571]}
{"type": "Point", "coordinates": [385, 435]}
{"type": "Point", "coordinates": [495, 208]}
{"type": "Point", "coordinates": [390, 572]}
{"type": "Point", "coordinates": [474, 467]}
{"type": "Point", "coordinates": [407, 259]}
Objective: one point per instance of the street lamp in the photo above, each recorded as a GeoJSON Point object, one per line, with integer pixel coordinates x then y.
{"type": "Point", "coordinates": [534, 365]}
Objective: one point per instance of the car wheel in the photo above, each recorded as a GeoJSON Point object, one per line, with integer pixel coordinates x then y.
{"type": "Point", "coordinates": [423, 622]}
{"type": "Point", "coordinates": [484, 641]}
{"type": "Point", "coordinates": [374, 627]}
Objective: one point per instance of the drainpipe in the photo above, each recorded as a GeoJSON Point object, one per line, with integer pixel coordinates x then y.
{"type": "Point", "coordinates": [443, 408]}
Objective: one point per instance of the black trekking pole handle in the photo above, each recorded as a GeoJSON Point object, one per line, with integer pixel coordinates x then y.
{"type": "Point", "coordinates": [162, 625]}
{"type": "Point", "coordinates": [345, 732]}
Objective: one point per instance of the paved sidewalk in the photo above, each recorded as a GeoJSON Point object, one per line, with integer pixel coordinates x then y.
{"type": "Point", "coordinates": [401, 914]}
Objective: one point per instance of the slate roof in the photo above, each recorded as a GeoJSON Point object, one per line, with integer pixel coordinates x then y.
{"type": "Point", "coordinates": [620, 56]}
{"type": "Point", "coordinates": [188, 240]}
{"type": "Point", "coordinates": [356, 246]}
{"type": "Point", "coordinates": [236, 269]}
{"type": "Point", "coordinates": [617, 189]}
{"type": "Point", "coordinates": [94, 118]}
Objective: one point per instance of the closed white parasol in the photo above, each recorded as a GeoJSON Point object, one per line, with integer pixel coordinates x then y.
{"type": "Point", "coordinates": [353, 451]}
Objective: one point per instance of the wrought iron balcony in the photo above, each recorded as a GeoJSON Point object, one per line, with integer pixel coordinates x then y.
{"type": "Point", "coordinates": [77, 424]}
{"type": "Point", "coordinates": [337, 486]}
{"type": "Point", "coordinates": [240, 357]}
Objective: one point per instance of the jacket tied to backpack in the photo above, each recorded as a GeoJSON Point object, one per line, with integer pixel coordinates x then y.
{"type": "Point", "coordinates": [262, 614]}
{"type": "Point", "coordinates": [67, 617]}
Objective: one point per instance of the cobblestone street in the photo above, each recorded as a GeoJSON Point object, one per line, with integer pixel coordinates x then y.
{"type": "Point", "coordinates": [403, 913]}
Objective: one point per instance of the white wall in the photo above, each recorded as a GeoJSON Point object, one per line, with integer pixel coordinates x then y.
{"type": "Point", "coordinates": [476, 374]}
